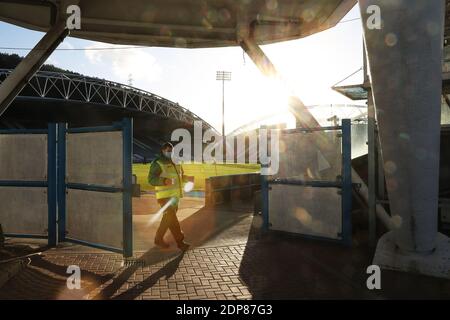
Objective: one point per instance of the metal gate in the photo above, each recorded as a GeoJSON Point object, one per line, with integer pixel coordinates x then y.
{"type": "Point", "coordinates": [87, 179]}
{"type": "Point", "coordinates": [311, 195]}
{"type": "Point", "coordinates": [28, 183]}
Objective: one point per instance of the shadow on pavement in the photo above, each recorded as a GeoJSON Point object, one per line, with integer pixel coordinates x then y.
{"type": "Point", "coordinates": [167, 271]}
{"type": "Point", "coordinates": [278, 266]}
{"type": "Point", "coordinates": [41, 279]}
{"type": "Point", "coordinates": [199, 228]}
{"type": "Point", "coordinates": [149, 258]}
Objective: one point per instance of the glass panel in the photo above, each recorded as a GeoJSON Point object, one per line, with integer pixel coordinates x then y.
{"type": "Point", "coordinates": [359, 140]}
{"type": "Point", "coordinates": [95, 217]}
{"type": "Point", "coordinates": [24, 210]}
{"type": "Point", "coordinates": [300, 157]}
{"type": "Point", "coordinates": [306, 210]}
{"type": "Point", "coordinates": [15, 165]}
{"type": "Point", "coordinates": [95, 158]}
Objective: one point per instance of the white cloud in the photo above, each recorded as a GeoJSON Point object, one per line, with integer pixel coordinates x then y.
{"type": "Point", "coordinates": [140, 64]}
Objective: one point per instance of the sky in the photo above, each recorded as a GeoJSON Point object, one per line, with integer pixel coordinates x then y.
{"type": "Point", "coordinates": [311, 66]}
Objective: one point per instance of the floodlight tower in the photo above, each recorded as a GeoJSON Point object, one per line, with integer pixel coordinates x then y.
{"type": "Point", "coordinates": [223, 76]}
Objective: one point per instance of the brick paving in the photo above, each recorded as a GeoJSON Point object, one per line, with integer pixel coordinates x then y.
{"type": "Point", "coordinates": [234, 261]}
{"type": "Point", "coordinates": [210, 270]}
{"type": "Point", "coordinates": [201, 273]}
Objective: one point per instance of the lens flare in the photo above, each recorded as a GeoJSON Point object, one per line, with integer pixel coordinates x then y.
{"type": "Point", "coordinates": [188, 187]}
{"type": "Point", "coordinates": [157, 215]}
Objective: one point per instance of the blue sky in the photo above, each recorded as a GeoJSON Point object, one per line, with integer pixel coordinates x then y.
{"type": "Point", "coordinates": [187, 76]}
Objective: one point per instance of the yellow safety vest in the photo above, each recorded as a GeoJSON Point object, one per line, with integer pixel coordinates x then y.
{"type": "Point", "coordinates": [170, 171]}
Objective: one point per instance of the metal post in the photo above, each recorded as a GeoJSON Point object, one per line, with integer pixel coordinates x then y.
{"type": "Point", "coordinates": [15, 82]}
{"type": "Point", "coordinates": [223, 76]}
{"type": "Point", "coordinates": [265, 187]}
{"type": "Point", "coordinates": [127, 135]}
{"type": "Point", "coordinates": [61, 184]}
{"type": "Point", "coordinates": [2, 237]}
{"type": "Point", "coordinates": [371, 170]}
{"type": "Point", "coordinates": [52, 185]}
{"type": "Point", "coordinates": [347, 181]}
{"type": "Point", "coordinates": [223, 118]}
{"type": "Point", "coordinates": [381, 190]}
{"type": "Point", "coordinates": [371, 156]}
{"type": "Point", "coordinates": [265, 201]}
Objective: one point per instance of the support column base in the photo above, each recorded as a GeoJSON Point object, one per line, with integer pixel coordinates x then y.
{"type": "Point", "coordinates": [435, 264]}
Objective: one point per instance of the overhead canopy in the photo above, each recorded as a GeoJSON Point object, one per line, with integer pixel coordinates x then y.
{"type": "Point", "coordinates": [183, 23]}
{"type": "Point", "coordinates": [354, 92]}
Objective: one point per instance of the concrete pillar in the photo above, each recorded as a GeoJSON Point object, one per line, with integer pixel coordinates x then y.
{"type": "Point", "coordinates": [405, 60]}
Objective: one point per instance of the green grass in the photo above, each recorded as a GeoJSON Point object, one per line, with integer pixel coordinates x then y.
{"type": "Point", "coordinates": [200, 171]}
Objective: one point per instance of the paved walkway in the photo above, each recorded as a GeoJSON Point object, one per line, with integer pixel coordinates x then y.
{"type": "Point", "coordinates": [230, 259]}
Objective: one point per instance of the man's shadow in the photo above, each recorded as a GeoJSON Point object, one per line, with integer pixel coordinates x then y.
{"type": "Point", "coordinates": [210, 221]}
{"type": "Point", "coordinates": [167, 271]}
{"type": "Point", "coordinates": [149, 258]}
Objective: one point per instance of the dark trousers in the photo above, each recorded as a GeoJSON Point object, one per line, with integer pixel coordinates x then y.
{"type": "Point", "coordinates": [169, 221]}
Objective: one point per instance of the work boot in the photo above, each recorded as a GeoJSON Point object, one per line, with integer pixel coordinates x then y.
{"type": "Point", "coordinates": [183, 246]}
{"type": "Point", "coordinates": [161, 243]}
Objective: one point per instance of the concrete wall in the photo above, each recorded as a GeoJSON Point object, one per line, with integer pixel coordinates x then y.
{"type": "Point", "coordinates": [231, 188]}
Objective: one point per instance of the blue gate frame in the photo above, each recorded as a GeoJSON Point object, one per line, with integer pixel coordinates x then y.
{"type": "Point", "coordinates": [56, 182]}
{"type": "Point", "coordinates": [345, 184]}
{"type": "Point", "coordinates": [50, 183]}
{"type": "Point", "coordinates": [126, 126]}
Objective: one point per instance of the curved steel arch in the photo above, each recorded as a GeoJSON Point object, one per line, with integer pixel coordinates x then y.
{"type": "Point", "coordinates": [250, 125]}
{"type": "Point", "coordinates": [74, 87]}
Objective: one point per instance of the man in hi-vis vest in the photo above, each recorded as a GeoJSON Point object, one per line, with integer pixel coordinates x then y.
{"type": "Point", "coordinates": [168, 179]}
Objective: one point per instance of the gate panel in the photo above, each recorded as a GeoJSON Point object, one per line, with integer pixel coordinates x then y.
{"type": "Point", "coordinates": [95, 207]}
{"type": "Point", "coordinates": [306, 210]}
{"type": "Point", "coordinates": [68, 184]}
{"type": "Point", "coordinates": [23, 157]}
{"type": "Point", "coordinates": [95, 158]}
{"type": "Point", "coordinates": [27, 183]}
{"type": "Point", "coordinates": [24, 211]}
{"type": "Point", "coordinates": [301, 159]}
{"type": "Point", "coordinates": [311, 194]}
{"type": "Point", "coordinates": [95, 217]}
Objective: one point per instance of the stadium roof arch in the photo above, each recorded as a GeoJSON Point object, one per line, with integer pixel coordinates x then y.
{"type": "Point", "coordinates": [87, 101]}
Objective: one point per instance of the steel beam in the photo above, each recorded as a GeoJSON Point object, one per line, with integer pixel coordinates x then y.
{"type": "Point", "coordinates": [52, 191]}
{"type": "Point", "coordinates": [15, 82]}
{"type": "Point", "coordinates": [302, 115]}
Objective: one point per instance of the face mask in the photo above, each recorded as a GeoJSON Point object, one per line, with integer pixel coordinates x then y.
{"type": "Point", "coordinates": [167, 154]}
